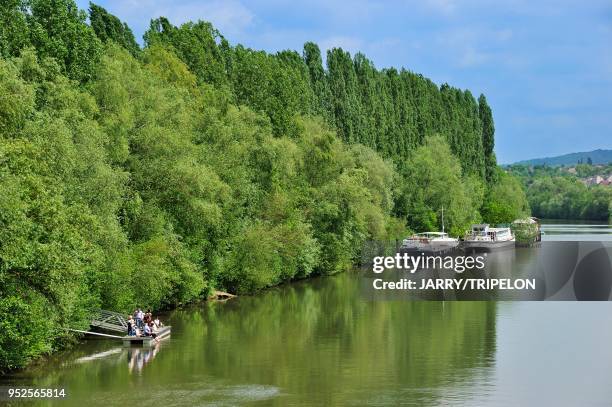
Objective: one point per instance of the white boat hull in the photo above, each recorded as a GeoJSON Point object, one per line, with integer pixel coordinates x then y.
{"type": "Point", "coordinates": [486, 245]}
{"type": "Point", "coordinates": [433, 247]}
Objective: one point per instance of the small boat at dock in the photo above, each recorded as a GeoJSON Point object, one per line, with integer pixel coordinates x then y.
{"type": "Point", "coordinates": [430, 242]}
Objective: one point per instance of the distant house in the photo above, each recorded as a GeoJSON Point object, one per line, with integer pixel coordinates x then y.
{"type": "Point", "coordinates": [572, 170]}
{"type": "Point", "coordinates": [597, 180]}
{"type": "Point", "coordinates": [594, 180]}
{"type": "Point", "coordinates": [606, 181]}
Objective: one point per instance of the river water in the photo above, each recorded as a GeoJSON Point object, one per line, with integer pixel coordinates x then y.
{"type": "Point", "coordinates": [320, 342]}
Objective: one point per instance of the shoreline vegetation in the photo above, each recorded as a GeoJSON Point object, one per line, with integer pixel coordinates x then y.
{"type": "Point", "coordinates": [154, 176]}
{"type": "Point", "coordinates": [567, 192]}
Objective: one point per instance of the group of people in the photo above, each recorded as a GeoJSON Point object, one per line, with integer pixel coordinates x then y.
{"type": "Point", "coordinates": [143, 324]}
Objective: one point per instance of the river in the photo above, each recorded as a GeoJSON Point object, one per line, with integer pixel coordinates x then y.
{"type": "Point", "coordinates": [319, 342]}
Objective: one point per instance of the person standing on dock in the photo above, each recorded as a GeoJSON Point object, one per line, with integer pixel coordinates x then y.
{"type": "Point", "coordinates": [130, 326]}
{"type": "Point", "coordinates": [139, 318]}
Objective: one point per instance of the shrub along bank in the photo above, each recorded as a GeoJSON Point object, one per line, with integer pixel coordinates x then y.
{"type": "Point", "coordinates": [146, 177]}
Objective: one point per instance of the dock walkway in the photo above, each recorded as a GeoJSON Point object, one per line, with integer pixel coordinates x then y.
{"type": "Point", "coordinates": [109, 320]}
{"type": "Point", "coordinates": [116, 322]}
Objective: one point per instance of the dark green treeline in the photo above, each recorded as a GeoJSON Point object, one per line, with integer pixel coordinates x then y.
{"type": "Point", "coordinates": [390, 111]}
{"type": "Point", "coordinates": [147, 177]}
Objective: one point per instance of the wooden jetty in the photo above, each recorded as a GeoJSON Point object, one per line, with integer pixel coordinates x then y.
{"type": "Point", "coordinates": [116, 322]}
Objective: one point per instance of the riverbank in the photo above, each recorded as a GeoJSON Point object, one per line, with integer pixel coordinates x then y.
{"type": "Point", "coordinates": [148, 175]}
{"type": "Point", "coordinates": [317, 341]}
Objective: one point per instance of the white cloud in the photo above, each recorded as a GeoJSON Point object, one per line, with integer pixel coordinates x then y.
{"type": "Point", "coordinates": [229, 16]}
{"type": "Point", "coordinates": [472, 57]}
{"type": "Point", "coordinates": [350, 44]}
{"type": "Point", "coordinates": [476, 46]}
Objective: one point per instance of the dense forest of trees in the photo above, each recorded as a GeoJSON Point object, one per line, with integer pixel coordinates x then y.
{"type": "Point", "coordinates": [556, 193]}
{"type": "Point", "coordinates": [149, 176]}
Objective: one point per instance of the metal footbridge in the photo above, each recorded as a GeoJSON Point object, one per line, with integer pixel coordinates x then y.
{"type": "Point", "coordinates": [110, 321]}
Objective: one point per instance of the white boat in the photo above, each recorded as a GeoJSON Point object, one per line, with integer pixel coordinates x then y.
{"type": "Point", "coordinates": [483, 237]}
{"type": "Point", "coordinates": [431, 242]}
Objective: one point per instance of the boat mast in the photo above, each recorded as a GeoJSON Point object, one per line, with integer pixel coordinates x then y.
{"type": "Point", "coordinates": [442, 219]}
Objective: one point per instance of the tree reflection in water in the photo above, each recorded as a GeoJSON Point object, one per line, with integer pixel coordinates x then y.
{"type": "Point", "coordinates": [315, 342]}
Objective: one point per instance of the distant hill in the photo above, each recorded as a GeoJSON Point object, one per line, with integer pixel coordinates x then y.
{"type": "Point", "coordinates": [597, 156]}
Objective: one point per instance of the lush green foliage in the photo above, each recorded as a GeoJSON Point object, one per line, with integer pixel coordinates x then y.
{"type": "Point", "coordinates": [147, 177]}
{"type": "Point", "coordinates": [586, 170]}
{"type": "Point", "coordinates": [505, 200]}
{"type": "Point", "coordinates": [389, 111]}
{"type": "Point", "coordinates": [55, 28]}
{"type": "Point", "coordinates": [488, 137]}
{"type": "Point", "coordinates": [556, 193]}
{"type": "Point", "coordinates": [528, 173]}
{"type": "Point", "coordinates": [145, 189]}
{"type": "Point", "coordinates": [568, 198]}
{"type": "Point", "coordinates": [109, 28]}
{"type": "Point", "coordinates": [433, 182]}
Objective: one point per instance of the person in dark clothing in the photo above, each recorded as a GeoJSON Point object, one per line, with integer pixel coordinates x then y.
{"type": "Point", "coordinates": [148, 317]}
{"type": "Point", "coordinates": [130, 326]}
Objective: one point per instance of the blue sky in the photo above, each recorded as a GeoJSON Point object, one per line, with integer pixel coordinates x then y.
{"type": "Point", "coordinates": [545, 66]}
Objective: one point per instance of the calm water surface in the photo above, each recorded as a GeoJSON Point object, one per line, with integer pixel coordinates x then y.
{"type": "Point", "coordinates": [319, 342]}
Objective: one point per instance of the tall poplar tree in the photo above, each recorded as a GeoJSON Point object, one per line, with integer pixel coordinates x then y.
{"type": "Point", "coordinates": [109, 28]}
{"type": "Point", "coordinates": [488, 137]}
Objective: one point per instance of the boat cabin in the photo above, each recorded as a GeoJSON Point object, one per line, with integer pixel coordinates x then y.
{"type": "Point", "coordinates": [427, 236]}
{"type": "Point", "coordinates": [484, 231]}
{"type": "Point", "coordinates": [432, 234]}
{"type": "Point", "coordinates": [480, 229]}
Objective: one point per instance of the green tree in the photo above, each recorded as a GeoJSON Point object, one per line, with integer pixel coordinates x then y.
{"type": "Point", "coordinates": [195, 44]}
{"type": "Point", "coordinates": [505, 200]}
{"type": "Point", "coordinates": [58, 30]}
{"type": "Point", "coordinates": [488, 137]}
{"type": "Point", "coordinates": [435, 182]}
{"type": "Point", "coordinates": [109, 28]}
{"type": "Point", "coordinates": [318, 80]}
{"type": "Point", "coordinates": [14, 32]}
{"type": "Point", "coordinates": [195, 164]}
{"type": "Point", "coordinates": [345, 101]}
